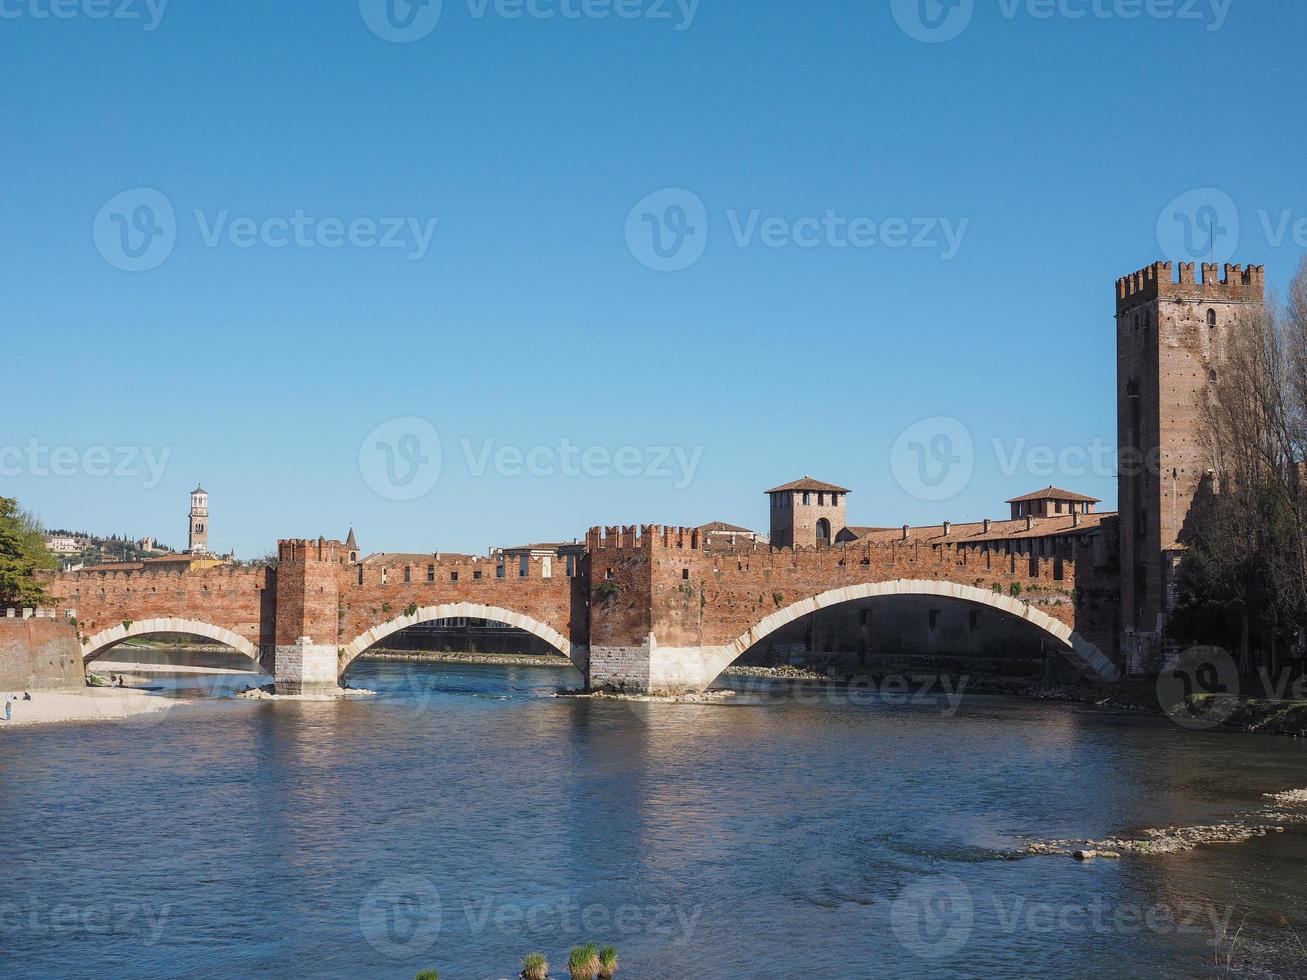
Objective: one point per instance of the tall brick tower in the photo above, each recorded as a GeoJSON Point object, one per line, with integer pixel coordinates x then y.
{"type": "Point", "coordinates": [1170, 341]}
{"type": "Point", "coordinates": [806, 513]}
{"type": "Point", "coordinates": [198, 540]}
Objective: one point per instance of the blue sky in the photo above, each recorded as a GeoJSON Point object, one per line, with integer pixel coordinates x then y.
{"type": "Point", "coordinates": [534, 318]}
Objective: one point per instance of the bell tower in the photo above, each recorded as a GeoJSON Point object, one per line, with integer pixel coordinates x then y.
{"type": "Point", "coordinates": [198, 540]}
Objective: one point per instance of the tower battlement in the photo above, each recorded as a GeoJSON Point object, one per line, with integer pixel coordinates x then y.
{"type": "Point", "coordinates": [1159, 282]}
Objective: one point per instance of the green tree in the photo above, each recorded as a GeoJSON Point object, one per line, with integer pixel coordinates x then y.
{"type": "Point", "coordinates": [22, 555]}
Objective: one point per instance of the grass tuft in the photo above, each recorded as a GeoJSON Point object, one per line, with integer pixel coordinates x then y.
{"type": "Point", "coordinates": [583, 962]}
{"type": "Point", "coordinates": [535, 967]}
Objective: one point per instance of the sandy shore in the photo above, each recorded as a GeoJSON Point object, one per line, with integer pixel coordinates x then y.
{"type": "Point", "coordinates": [117, 667]}
{"type": "Point", "coordinates": [92, 704]}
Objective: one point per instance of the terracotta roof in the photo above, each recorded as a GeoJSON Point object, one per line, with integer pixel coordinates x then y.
{"type": "Point", "coordinates": [808, 483]}
{"type": "Point", "coordinates": [861, 532]}
{"type": "Point", "coordinates": [385, 558]}
{"type": "Point", "coordinates": [1055, 493]}
{"type": "Point", "coordinates": [974, 532]}
{"type": "Point", "coordinates": [723, 526]}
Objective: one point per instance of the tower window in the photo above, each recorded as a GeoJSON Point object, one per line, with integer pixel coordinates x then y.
{"type": "Point", "coordinates": [1211, 318]}
{"type": "Point", "coordinates": [1211, 376]}
{"type": "Point", "coordinates": [408, 574]}
{"type": "Point", "coordinates": [431, 573]}
{"type": "Point", "coordinates": [807, 498]}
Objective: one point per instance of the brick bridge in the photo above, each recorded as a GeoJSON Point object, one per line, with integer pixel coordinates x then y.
{"type": "Point", "coordinates": [646, 609]}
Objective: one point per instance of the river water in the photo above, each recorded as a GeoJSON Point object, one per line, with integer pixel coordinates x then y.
{"type": "Point", "coordinates": [465, 816]}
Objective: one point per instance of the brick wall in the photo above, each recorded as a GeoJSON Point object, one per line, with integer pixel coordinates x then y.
{"type": "Point", "coordinates": [39, 654]}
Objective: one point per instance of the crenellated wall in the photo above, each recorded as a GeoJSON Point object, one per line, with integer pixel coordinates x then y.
{"type": "Point", "coordinates": [645, 608]}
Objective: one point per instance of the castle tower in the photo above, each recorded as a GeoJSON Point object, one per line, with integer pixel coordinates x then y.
{"type": "Point", "coordinates": [806, 513]}
{"type": "Point", "coordinates": [1170, 341]}
{"type": "Point", "coordinates": [198, 540]}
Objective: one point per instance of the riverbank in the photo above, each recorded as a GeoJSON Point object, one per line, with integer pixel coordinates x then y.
{"type": "Point", "coordinates": [1274, 817]}
{"type": "Point", "coordinates": [553, 662]}
{"type": "Point", "coordinates": [91, 704]}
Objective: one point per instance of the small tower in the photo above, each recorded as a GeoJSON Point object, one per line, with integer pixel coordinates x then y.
{"type": "Point", "coordinates": [806, 513]}
{"type": "Point", "coordinates": [198, 541]}
{"type": "Point", "coordinates": [352, 546]}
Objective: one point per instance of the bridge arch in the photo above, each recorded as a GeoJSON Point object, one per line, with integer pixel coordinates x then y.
{"type": "Point", "coordinates": [1083, 654]}
{"type": "Point", "coordinates": [470, 610]}
{"type": "Point", "coordinates": [98, 645]}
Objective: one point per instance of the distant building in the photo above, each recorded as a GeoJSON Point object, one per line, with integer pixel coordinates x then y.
{"type": "Point", "coordinates": [63, 545]}
{"type": "Point", "coordinates": [1052, 502]}
{"type": "Point", "coordinates": [567, 552]}
{"type": "Point", "coordinates": [198, 538]}
{"type": "Point", "coordinates": [720, 535]}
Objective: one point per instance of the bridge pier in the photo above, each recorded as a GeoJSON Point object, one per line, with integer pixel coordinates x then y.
{"type": "Point", "coordinates": [307, 641]}
{"type": "Point", "coordinates": [651, 669]}
{"type": "Point", "coordinates": [305, 667]}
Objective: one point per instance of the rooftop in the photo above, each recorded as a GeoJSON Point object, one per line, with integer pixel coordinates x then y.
{"type": "Point", "coordinates": [1055, 493]}
{"type": "Point", "coordinates": [808, 483]}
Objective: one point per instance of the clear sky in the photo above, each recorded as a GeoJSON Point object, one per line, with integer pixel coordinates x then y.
{"type": "Point", "coordinates": [856, 230]}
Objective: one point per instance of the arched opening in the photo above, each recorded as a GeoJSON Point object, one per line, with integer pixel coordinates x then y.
{"type": "Point", "coordinates": [911, 626]}
{"type": "Point", "coordinates": [467, 639]}
{"type": "Point", "coordinates": [823, 531]}
{"type": "Point", "coordinates": [173, 655]}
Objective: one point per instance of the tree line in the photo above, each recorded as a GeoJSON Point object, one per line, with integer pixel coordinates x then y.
{"type": "Point", "coordinates": [1244, 574]}
{"type": "Point", "coordinates": [22, 554]}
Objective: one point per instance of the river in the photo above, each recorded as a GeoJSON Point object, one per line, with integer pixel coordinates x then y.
{"type": "Point", "coordinates": [466, 816]}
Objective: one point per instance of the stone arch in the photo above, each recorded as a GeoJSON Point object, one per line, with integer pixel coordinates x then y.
{"type": "Point", "coordinates": [1083, 654]}
{"type": "Point", "coordinates": [470, 610]}
{"type": "Point", "coordinates": [102, 642]}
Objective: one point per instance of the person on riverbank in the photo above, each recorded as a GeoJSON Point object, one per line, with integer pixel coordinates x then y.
{"type": "Point", "coordinates": [9, 709]}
